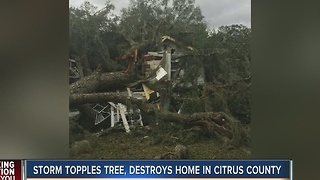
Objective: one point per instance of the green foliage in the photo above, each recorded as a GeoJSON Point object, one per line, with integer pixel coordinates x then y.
{"type": "Point", "coordinates": [239, 103]}
{"type": "Point", "coordinates": [232, 44]}
{"type": "Point", "coordinates": [192, 69]}
{"type": "Point", "coordinates": [151, 19]}
{"type": "Point", "coordinates": [87, 29]}
{"type": "Point", "coordinates": [134, 20]}
{"type": "Point", "coordinates": [230, 65]}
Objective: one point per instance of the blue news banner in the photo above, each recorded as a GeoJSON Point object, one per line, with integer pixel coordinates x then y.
{"type": "Point", "coordinates": [275, 169]}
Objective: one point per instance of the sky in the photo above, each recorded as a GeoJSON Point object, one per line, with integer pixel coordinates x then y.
{"type": "Point", "coordinates": [216, 12]}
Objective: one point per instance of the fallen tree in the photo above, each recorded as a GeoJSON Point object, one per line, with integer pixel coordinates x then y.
{"type": "Point", "coordinates": [102, 82]}
{"type": "Point", "coordinates": [100, 87]}
{"type": "Point", "coordinates": [89, 90]}
{"type": "Point", "coordinates": [216, 122]}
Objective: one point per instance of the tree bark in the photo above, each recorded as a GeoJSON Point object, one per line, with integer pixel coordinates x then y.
{"type": "Point", "coordinates": [211, 121]}
{"type": "Point", "coordinates": [100, 82]}
{"type": "Point", "coordinates": [79, 99]}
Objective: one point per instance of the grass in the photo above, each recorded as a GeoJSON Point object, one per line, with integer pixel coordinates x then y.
{"type": "Point", "coordinates": [146, 144]}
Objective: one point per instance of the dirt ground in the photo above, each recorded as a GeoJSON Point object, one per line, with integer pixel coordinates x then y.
{"type": "Point", "coordinates": [148, 143]}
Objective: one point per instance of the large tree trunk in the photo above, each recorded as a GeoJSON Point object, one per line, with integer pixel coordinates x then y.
{"type": "Point", "coordinates": [210, 121]}
{"type": "Point", "coordinates": [100, 82]}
